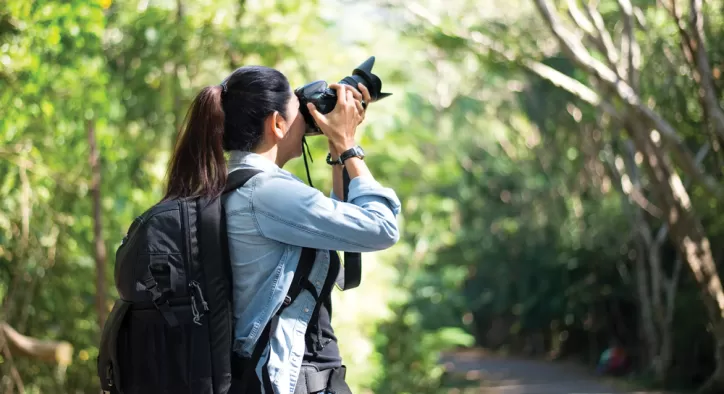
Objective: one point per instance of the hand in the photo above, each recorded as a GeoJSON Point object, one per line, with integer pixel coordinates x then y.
{"type": "Point", "coordinates": [340, 125]}
{"type": "Point", "coordinates": [366, 99]}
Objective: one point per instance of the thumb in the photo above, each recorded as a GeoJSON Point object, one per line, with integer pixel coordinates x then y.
{"type": "Point", "coordinates": [318, 117]}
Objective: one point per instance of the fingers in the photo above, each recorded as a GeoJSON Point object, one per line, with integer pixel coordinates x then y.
{"type": "Point", "coordinates": [360, 111]}
{"type": "Point", "coordinates": [356, 93]}
{"type": "Point", "coordinates": [365, 93]}
{"type": "Point", "coordinates": [360, 108]}
{"type": "Point", "coordinates": [350, 97]}
{"type": "Point", "coordinates": [341, 93]}
{"type": "Point", "coordinates": [361, 93]}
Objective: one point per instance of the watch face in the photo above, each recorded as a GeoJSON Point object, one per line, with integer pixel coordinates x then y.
{"type": "Point", "coordinates": [353, 152]}
{"type": "Point", "coordinates": [359, 152]}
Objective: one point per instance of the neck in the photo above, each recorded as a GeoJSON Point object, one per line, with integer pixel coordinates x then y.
{"type": "Point", "coordinates": [272, 154]}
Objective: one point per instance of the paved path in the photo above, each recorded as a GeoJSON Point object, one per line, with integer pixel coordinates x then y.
{"type": "Point", "coordinates": [495, 375]}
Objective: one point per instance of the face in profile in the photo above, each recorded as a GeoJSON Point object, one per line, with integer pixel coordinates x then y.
{"type": "Point", "coordinates": [290, 146]}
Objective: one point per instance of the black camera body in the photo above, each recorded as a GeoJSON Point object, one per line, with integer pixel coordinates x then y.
{"type": "Point", "coordinates": [325, 99]}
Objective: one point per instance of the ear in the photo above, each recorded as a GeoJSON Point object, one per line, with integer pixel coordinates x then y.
{"type": "Point", "coordinates": [278, 125]}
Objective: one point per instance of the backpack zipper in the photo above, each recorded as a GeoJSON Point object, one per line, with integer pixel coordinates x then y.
{"type": "Point", "coordinates": [195, 288]}
{"type": "Point", "coordinates": [186, 230]}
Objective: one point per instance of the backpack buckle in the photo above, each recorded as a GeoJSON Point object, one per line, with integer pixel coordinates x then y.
{"type": "Point", "coordinates": [159, 300]}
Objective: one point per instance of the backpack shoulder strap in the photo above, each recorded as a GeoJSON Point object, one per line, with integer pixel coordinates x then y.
{"type": "Point", "coordinates": [214, 252]}
{"type": "Point", "coordinates": [301, 277]}
{"type": "Point", "coordinates": [238, 178]}
{"type": "Point", "coordinates": [244, 370]}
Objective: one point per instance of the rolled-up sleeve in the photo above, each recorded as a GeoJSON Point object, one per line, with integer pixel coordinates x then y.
{"type": "Point", "coordinates": [291, 212]}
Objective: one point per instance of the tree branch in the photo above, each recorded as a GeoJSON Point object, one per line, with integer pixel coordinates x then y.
{"type": "Point", "coordinates": [671, 286]}
{"type": "Point", "coordinates": [581, 20]}
{"type": "Point", "coordinates": [591, 32]}
{"type": "Point", "coordinates": [630, 50]}
{"type": "Point", "coordinates": [636, 193]}
{"type": "Point", "coordinates": [664, 230]}
{"type": "Point", "coordinates": [609, 49]}
{"type": "Point", "coordinates": [570, 85]}
{"type": "Point", "coordinates": [653, 249]}
{"type": "Point", "coordinates": [629, 185]}
{"type": "Point", "coordinates": [25, 210]}
{"type": "Point", "coordinates": [16, 379]}
{"type": "Point", "coordinates": [99, 252]}
{"type": "Point", "coordinates": [548, 73]}
{"type": "Point", "coordinates": [693, 47]}
{"type": "Point", "coordinates": [59, 352]}
{"type": "Point", "coordinates": [707, 92]}
{"type": "Point", "coordinates": [572, 46]}
{"type": "Point", "coordinates": [685, 42]}
{"type": "Point", "coordinates": [580, 55]}
{"type": "Point", "coordinates": [640, 18]}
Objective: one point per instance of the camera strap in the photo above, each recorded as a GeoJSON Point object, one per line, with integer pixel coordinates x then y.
{"type": "Point", "coordinates": [305, 153]}
{"type": "Point", "coordinates": [351, 276]}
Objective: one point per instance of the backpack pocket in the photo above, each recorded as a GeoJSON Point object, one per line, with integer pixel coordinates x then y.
{"type": "Point", "coordinates": [165, 359]}
{"type": "Point", "coordinates": [108, 366]}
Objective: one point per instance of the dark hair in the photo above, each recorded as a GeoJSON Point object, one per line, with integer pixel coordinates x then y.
{"type": "Point", "coordinates": [225, 117]}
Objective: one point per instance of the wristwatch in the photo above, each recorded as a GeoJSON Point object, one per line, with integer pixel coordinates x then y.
{"type": "Point", "coordinates": [350, 153]}
{"type": "Point", "coordinates": [353, 152]}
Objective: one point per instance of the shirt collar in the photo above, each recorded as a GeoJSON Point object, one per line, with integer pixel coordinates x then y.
{"type": "Point", "coordinates": [237, 157]}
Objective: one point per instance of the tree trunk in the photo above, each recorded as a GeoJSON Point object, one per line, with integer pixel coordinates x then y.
{"type": "Point", "coordinates": [687, 232]}
{"type": "Point", "coordinates": [715, 384]}
{"type": "Point", "coordinates": [651, 335]}
{"type": "Point", "coordinates": [665, 355]}
{"type": "Point", "coordinates": [176, 83]}
{"type": "Point", "coordinates": [100, 247]}
{"type": "Point", "coordinates": [685, 227]}
{"type": "Point", "coordinates": [656, 292]}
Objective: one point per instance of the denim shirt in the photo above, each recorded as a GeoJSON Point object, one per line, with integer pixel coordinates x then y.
{"type": "Point", "coordinates": [269, 220]}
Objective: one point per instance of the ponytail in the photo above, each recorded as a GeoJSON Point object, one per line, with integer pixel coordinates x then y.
{"type": "Point", "coordinates": [198, 167]}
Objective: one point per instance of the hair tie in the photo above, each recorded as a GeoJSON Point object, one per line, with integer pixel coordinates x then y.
{"type": "Point", "coordinates": [223, 87]}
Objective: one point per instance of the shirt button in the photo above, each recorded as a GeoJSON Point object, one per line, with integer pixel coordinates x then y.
{"type": "Point", "coordinates": [306, 309]}
{"type": "Point", "coordinates": [317, 283]}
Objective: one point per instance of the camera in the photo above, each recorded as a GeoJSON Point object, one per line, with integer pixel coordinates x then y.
{"type": "Point", "coordinates": [324, 98]}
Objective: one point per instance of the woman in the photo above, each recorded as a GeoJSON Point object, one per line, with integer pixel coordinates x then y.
{"type": "Point", "coordinates": [255, 116]}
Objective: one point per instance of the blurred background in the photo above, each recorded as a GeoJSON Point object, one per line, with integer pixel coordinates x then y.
{"type": "Point", "coordinates": [559, 163]}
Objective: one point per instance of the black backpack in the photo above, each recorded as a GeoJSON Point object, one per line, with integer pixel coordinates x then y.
{"type": "Point", "coordinates": [171, 329]}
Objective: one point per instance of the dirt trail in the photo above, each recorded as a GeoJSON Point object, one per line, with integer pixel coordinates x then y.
{"type": "Point", "coordinates": [488, 374]}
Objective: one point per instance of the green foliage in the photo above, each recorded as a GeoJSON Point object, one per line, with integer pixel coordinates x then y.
{"type": "Point", "coordinates": [128, 70]}
{"type": "Point", "coordinates": [410, 354]}
{"type": "Point", "coordinates": [512, 226]}
{"type": "Point", "coordinates": [544, 245]}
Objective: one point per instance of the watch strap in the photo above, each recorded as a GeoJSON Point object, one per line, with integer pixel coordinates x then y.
{"type": "Point", "coordinates": [333, 162]}
{"type": "Point", "coordinates": [350, 153]}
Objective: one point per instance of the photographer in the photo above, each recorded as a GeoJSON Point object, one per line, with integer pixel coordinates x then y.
{"type": "Point", "coordinates": [275, 217]}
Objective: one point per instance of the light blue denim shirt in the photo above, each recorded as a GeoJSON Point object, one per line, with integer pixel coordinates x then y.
{"type": "Point", "coordinates": [269, 220]}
